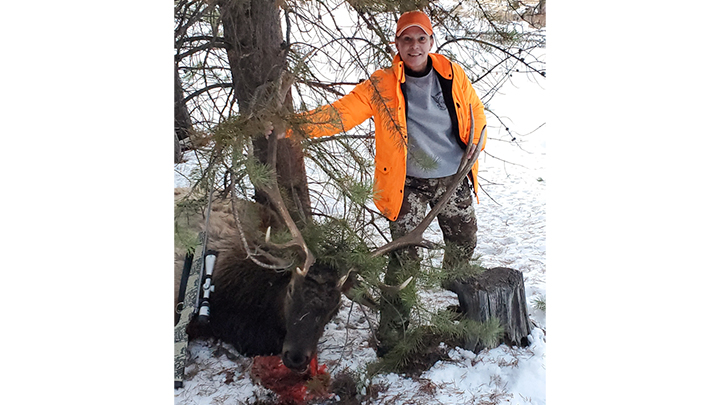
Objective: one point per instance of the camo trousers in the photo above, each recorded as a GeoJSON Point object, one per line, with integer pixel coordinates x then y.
{"type": "Point", "coordinates": [459, 227]}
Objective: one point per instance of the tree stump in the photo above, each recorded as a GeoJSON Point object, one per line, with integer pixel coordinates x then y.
{"type": "Point", "coordinates": [499, 293]}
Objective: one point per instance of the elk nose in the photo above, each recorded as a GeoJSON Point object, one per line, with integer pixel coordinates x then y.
{"type": "Point", "coordinates": [296, 360]}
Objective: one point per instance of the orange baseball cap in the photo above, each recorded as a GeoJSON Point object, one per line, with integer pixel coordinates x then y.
{"type": "Point", "coordinates": [414, 19]}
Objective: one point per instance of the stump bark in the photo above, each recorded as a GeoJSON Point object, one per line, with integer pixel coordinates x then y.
{"type": "Point", "coordinates": [499, 293]}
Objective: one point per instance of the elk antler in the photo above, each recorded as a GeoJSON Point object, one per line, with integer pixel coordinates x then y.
{"type": "Point", "coordinates": [273, 192]}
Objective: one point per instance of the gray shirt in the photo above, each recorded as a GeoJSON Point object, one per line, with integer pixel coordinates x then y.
{"type": "Point", "coordinates": [433, 151]}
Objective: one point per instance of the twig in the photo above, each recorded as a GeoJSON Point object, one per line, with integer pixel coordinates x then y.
{"type": "Point", "coordinates": [505, 161]}
{"type": "Point", "coordinates": [338, 137]}
{"type": "Point", "coordinates": [367, 318]}
{"type": "Point", "coordinates": [205, 89]}
{"type": "Point", "coordinates": [488, 195]}
{"type": "Point", "coordinates": [347, 336]}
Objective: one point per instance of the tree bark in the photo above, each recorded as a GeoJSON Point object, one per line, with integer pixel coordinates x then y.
{"type": "Point", "coordinates": [257, 57]}
{"type": "Point", "coordinates": [183, 124]}
{"type": "Point", "coordinates": [499, 293]}
{"type": "Point", "coordinates": [178, 150]}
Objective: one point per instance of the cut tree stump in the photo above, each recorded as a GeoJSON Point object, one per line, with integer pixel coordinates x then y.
{"type": "Point", "coordinates": [498, 293]}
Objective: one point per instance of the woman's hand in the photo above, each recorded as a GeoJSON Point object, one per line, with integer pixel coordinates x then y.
{"type": "Point", "coordinates": [269, 128]}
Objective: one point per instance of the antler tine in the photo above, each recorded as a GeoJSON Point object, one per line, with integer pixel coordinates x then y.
{"type": "Point", "coordinates": [394, 289]}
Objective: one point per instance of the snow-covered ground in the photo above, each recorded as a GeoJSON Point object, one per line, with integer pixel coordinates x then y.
{"type": "Point", "coordinates": [511, 233]}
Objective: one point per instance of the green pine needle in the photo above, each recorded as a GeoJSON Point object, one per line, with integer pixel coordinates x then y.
{"type": "Point", "coordinates": [423, 160]}
{"type": "Point", "coordinates": [491, 332]}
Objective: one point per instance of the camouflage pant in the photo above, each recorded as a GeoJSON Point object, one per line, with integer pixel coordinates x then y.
{"type": "Point", "coordinates": [459, 227]}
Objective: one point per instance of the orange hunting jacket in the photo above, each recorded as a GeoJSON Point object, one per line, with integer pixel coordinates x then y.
{"type": "Point", "coordinates": [382, 97]}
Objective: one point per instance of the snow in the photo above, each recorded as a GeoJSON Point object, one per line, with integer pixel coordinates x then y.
{"type": "Point", "coordinates": [503, 375]}
{"type": "Point", "coordinates": [511, 233]}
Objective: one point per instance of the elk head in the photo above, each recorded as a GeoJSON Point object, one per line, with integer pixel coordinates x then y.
{"type": "Point", "coordinates": [311, 301]}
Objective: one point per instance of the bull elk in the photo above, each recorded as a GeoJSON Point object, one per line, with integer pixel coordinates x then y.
{"type": "Point", "coordinates": [263, 311]}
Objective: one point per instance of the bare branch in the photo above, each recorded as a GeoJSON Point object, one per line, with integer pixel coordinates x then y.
{"type": "Point", "coordinates": [199, 48]}
{"type": "Point", "coordinates": [499, 48]}
{"type": "Point", "coordinates": [328, 86]}
{"type": "Point", "coordinates": [338, 137]}
{"type": "Point", "coordinates": [374, 26]}
{"type": "Point", "coordinates": [205, 89]}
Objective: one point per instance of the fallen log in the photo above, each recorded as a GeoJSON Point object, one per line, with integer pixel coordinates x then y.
{"type": "Point", "coordinates": [498, 293]}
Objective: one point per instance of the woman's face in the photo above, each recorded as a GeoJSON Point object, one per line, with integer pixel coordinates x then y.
{"type": "Point", "coordinates": [413, 45]}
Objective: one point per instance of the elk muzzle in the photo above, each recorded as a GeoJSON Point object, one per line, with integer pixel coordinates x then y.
{"type": "Point", "coordinates": [296, 359]}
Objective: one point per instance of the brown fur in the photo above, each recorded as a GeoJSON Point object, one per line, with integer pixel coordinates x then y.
{"type": "Point", "coordinates": [189, 222]}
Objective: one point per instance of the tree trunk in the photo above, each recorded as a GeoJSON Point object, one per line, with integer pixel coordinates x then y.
{"type": "Point", "coordinates": [257, 57]}
{"type": "Point", "coordinates": [292, 178]}
{"type": "Point", "coordinates": [183, 124]}
{"type": "Point", "coordinates": [499, 293]}
{"type": "Point", "coordinates": [178, 150]}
